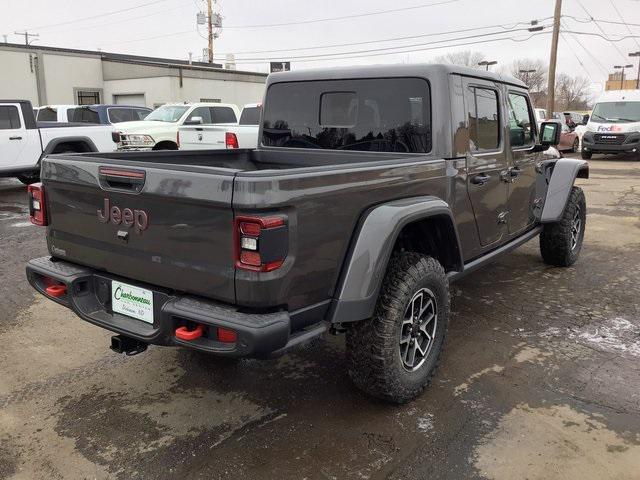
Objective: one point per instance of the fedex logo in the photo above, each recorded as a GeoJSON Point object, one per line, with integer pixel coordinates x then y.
{"type": "Point", "coordinates": [612, 128]}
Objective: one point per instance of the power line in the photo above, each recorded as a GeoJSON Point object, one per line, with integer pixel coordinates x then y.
{"type": "Point", "coordinates": [410, 37]}
{"type": "Point", "coordinates": [345, 17]}
{"type": "Point", "coordinates": [599, 20]}
{"type": "Point", "coordinates": [589, 54]}
{"type": "Point", "coordinates": [115, 12]}
{"type": "Point", "coordinates": [576, 55]}
{"type": "Point", "coordinates": [623, 21]}
{"type": "Point", "coordinates": [600, 28]}
{"type": "Point", "coordinates": [302, 57]}
{"type": "Point", "coordinates": [426, 48]}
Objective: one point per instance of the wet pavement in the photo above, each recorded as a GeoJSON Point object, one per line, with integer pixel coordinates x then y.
{"type": "Point", "coordinates": [539, 379]}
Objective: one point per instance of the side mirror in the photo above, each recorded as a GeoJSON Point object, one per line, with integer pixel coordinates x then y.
{"type": "Point", "coordinates": [194, 121]}
{"type": "Point", "coordinates": [550, 134]}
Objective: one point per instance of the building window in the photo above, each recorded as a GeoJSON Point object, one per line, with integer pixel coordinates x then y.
{"type": "Point", "coordinates": [88, 97]}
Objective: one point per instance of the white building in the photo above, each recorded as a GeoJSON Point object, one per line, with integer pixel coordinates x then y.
{"type": "Point", "coordinates": [49, 76]}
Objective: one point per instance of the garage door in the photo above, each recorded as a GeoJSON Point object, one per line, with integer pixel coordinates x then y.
{"type": "Point", "coordinates": [130, 99]}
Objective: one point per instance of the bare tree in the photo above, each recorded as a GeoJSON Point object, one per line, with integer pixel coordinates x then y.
{"type": "Point", "coordinates": [466, 58]}
{"type": "Point", "coordinates": [572, 93]}
{"type": "Point", "coordinates": [536, 80]}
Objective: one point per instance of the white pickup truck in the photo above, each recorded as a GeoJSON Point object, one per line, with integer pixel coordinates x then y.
{"type": "Point", "coordinates": [23, 142]}
{"type": "Point", "coordinates": [243, 134]}
{"type": "Point", "coordinates": [159, 130]}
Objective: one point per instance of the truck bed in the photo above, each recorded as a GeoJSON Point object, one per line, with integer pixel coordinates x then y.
{"type": "Point", "coordinates": [190, 200]}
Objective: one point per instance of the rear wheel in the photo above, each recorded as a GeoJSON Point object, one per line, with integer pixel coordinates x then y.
{"type": "Point", "coordinates": [393, 356]}
{"type": "Point", "coordinates": [575, 146]}
{"type": "Point", "coordinates": [561, 242]}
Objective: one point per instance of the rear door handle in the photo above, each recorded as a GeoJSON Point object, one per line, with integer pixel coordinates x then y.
{"type": "Point", "coordinates": [15, 138]}
{"type": "Point", "coordinates": [480, 179]}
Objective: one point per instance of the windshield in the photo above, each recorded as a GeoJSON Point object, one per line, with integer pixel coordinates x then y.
{"type": "Point", "coordinates": [168, 113]}
{"type": "Point", "coordinates": [616, 112]}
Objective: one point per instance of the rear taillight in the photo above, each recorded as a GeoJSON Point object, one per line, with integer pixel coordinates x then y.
{"type": "Point", "coordinates": [231, 140]}
{"type": "Point", "coordinates": [261, 243]}
{"type": "Point", "coordinates": [37, 209]}
{"type": "Point", "coordinates": [115, 136]}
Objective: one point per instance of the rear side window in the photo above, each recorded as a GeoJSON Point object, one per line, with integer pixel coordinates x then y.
{"type": "Point", "coordinates": [85, 115]}
{"type": "Point", "coordinates": [9, 118]}
{"type": "Point", "coordinates": [521, 125]}
{"type": "Point", "coordinates": [374, 115]}
{"type": "Point", "coordinates": [223, 115]}
{"type": "Point", "coordinates": [122, 114]}
{"type": "Point", "coordinates": [484, 119]}
{"type": "Point", "coordinates": [47, 114]}
{"type": "Point", "coordinates": [250, 116]}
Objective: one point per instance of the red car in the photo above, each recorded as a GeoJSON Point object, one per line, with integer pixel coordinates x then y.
{"type": "Point", "coordinates": [569, 140]}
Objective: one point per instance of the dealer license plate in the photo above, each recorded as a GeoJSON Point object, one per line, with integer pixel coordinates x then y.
{"type": "Point", "coordinates": [132, 301]}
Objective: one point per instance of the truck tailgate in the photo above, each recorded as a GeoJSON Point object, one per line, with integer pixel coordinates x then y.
{"type": "Point", "coordinates": [159, 224]}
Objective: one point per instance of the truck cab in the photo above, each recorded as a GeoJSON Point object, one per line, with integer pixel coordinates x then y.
{"type": "Point", "coordinates": [159, 130]}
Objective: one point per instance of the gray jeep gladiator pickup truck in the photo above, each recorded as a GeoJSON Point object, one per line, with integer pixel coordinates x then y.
{"type": "Point", "coordinates": [371, 190]}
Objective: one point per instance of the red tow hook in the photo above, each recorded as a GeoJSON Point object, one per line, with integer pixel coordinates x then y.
{"type": "Point", "coordinates": [56, 290]}
{"type": "Point", "coordinates": [183, 334]}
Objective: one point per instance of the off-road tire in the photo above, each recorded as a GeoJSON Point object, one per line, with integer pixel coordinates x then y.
{"type": "Point", "coordinates": [556, 240]}
{"type": "Point", "coordinates": [373, 346]}
{"type": "Point", "coordinates": [586, 155]}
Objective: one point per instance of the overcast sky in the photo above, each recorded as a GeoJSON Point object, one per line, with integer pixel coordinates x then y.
{"type": "Point", "coordinates": [167, 28]}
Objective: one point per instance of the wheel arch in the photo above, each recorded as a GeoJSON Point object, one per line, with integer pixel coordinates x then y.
{"type": "Point", "coordinates": [166, 145]}
{"type": "Point", "coordinates": [382, 229]}
{"type": "Point", "coordinates": [563, 177]}
{"type": "Point", "coordinates": [78, 144]}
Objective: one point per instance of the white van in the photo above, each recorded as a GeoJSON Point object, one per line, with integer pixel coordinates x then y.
{"type": "Point", "coordinates": [614, 125]}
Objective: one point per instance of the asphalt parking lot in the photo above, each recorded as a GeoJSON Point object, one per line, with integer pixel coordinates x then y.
{"type": "Point", "coordinates": [539, 379]}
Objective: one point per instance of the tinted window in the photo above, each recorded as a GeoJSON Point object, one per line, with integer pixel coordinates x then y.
{"type": "Point", "coordinates": [384, 115]}
{"type": "Point", "coordinates": [9, 118]}
{"type": "Point", "coordinates": [85, 115]}
{"type": "Point", "coordinates": [47, 114]}
{"type": "Point", "coordinates": [202, 112]}
{"type": "Point", "coordinates": [484, 119]}
{"type": "Point", "coordinates": [521, 125]}
{"type": "Point", "coordinates": [124, 114]}
{"type": "Point", "coordinates": [250, 116]}
{"type": "Point", "coordinates": [223, 115]}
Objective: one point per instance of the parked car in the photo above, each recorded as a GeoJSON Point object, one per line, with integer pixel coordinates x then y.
{"type": "Point", "coordinates": [243, 134]}
{"type": "Point", "coordinates": [109, 114]}
{"type": "Point", "coordinates": [614, 125]}
{"type": "Point", "coordinates": [23, 142]}
{"type": "Point", "coordinates": [372, 189]}
{"type": "Point", "coordinates": [569, 139]}
{"type": "Point", "coordinates": [541, 115]}
{"type": "Point", "coordinates": [54, 113]}
{"type": "Point", "coordinates": [159, 130]}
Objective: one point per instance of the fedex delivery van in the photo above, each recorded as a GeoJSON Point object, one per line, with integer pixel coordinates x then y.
{"type": "Point", "coordinates": [614, 125]}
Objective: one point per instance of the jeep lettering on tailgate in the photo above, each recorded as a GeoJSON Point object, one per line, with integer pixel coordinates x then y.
{"type": "Point", "coordinates": [127, 217]}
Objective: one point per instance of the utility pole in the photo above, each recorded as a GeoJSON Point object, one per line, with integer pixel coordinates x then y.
{"type": "Point", "coordinates": [27, 35]}
{"type": "Point", "coordinates": [210, 25]}
{"type": "Point", "coordinates": [551, 96]}
{"type": "Point", "coordinates": [637, 54]}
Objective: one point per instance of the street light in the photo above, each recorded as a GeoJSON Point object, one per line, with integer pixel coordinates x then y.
{"type": "Point", "coordinates": [637, 54]}
{"type": "Point", "coordinates": [487, 63]}
{"type": "Point", "coordinates": [622, 67]}
{"type": "Point", "coordinates": [526, 74]}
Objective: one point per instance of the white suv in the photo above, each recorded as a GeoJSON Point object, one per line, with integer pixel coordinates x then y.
{"type": "Point", "coordinates": [159, 130]}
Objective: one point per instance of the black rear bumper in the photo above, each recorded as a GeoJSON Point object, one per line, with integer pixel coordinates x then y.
{"type": "Point", "coordinates": [88, 294]}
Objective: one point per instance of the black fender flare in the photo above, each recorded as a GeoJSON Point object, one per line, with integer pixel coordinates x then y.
{"type": "Point", "coordinates": [365, 265]}
{"type": "Point", "coordinates": [79, 139]}
{"type": "Point", "coordinates": [565, 172]}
